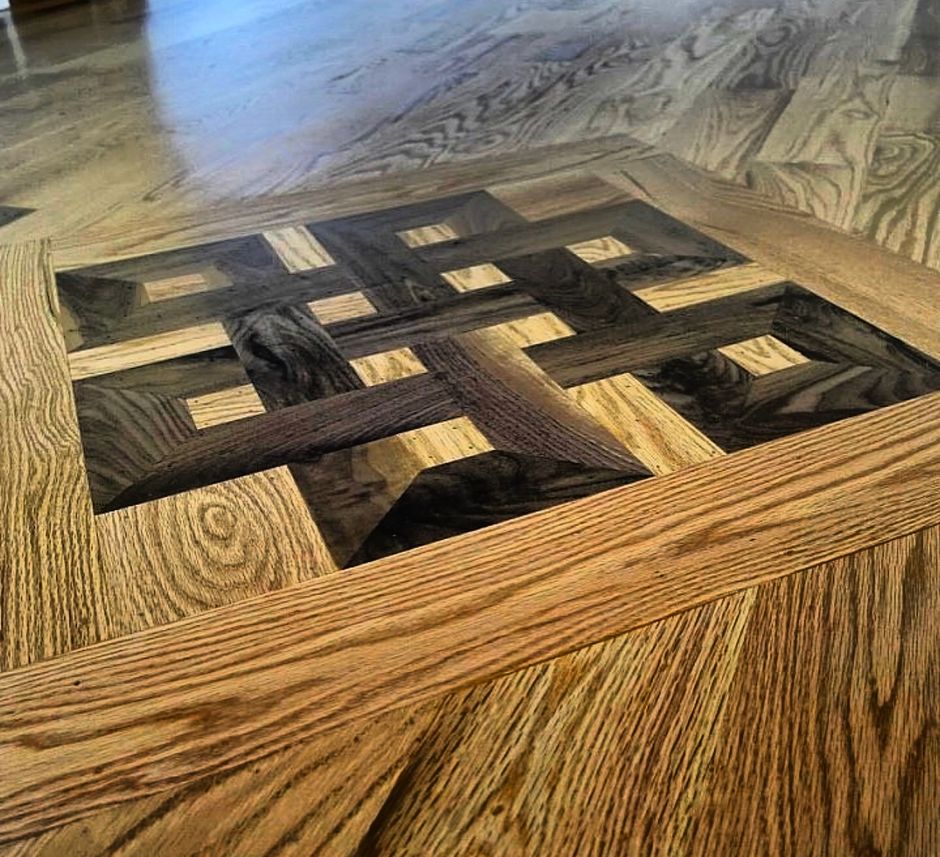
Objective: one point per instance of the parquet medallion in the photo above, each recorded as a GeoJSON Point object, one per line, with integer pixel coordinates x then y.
{"type": "Point", "coordinates": [430, 369]}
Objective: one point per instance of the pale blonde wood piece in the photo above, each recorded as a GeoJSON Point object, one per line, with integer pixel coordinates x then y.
{"type": "Point", "coordinates": [475, 277]}
{"type": "Point", "coordinates": [444, 442]}
{"type": "Point", "coordinates": [224, 406]}
{"type": "Point", "coordinates": [662, 439]}
{"type": "Point", "coordinates": [184, 283]}
{"type": "Point", "coordinates": [341, 307]}
{"type": "Point", "coordinates": [388, 366]}
{"type": "Point", "coordinates": [104, 359]}
{"type": "Point", "coordinates": [431, 234]}
{"type": "Point", "coordinates": [763, 355]}
{"type": "Point", "coordinates": [50, 584]}
{"type": "Point", "coordinates": [180, 555]}
{"type": "Point", "coordinates": [600, 250]}
{"type": "Point", "coordinates": [707, 287]}
{"type": "Point", "coordinates": [298, 249]}
{"type": "Point", "coordinates": [115, 722]}
{"type": "Point", "coordinates": [534, 329]}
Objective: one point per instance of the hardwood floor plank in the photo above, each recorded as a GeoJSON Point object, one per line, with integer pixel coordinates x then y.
{"type": "Point", "coordinates": [104, 359]}
{"type": "Point", "coordinates": [290, 434]}
{"type": "Point", "coordinates": [518, 407]}
{"type": "Point", "coordinates": [195, 551]}
{"type": "Point", "coordinates": [603, 751]}
{"type": "Point", "coordinates": [763, 355]}
{"type": "Point", "coordinates": [707, 287]}
{"type": "Point", "coordinates": [319, 797]}
{"type": "Point", "coordinates": [446, 630]}
{"type": "Point", "coordinates": [298, 249]}
{"type": "Point", "coordinates": [224, 406]}
{"type": "Point", "coordinates": [50, 584]}
{"type": "Point", "coordinates": [645, 424]}
{"type": "Point", "coordinates": [849, 701]}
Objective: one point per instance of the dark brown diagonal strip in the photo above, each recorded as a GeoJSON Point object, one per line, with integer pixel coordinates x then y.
{"type": "Point", "coordinates": [293, 434]}
{"type": "Point", "coordinates": [628, 347]}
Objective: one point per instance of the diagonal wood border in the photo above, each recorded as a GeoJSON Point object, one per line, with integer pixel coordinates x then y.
{"type": "Point", "coordinates": [146, 712]}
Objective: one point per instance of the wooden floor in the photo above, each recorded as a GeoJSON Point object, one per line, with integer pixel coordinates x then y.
{"type": "Point", "coordinates": [831, 106]}
{"type": "Point", "coordinates": [463, 429]}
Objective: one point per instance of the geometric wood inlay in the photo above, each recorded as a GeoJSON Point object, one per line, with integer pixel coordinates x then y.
{"type": "Point", "coordinates": [339, 351]}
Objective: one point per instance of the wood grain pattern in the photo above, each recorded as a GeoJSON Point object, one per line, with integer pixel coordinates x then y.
{"type": "Point", "coordinates": [603, 751]}
{"type": "Point", "coordinates": [298, 249]}
{"type": "Point", "coordinates": [192, 552]}
{"type": "Point", "coordinates": [849, 701]}
{"type": "Point", "coordinates": [223, 406]}
{"type": "Point", "coordinates": [387, 366]}
{"type": "Point", "coordinates": [318, 797]}
{"type": "Point", "coordinates": [784, 242]}
{"type": "Point", "coordinates": [684, 737]}
{"type": "Point", "coordinates": [706, 287]}
{"type": "Point", "coordinates": [105, 359]}
{"type": "Point", "coordinates": [475, 277]}
{"type": "Point", "coordinates": [645, 424]}
{"type": "Point", "coordinates": [341, 308]}
{"type": "Point", "coordinates": [697, 525]}
{"type": "Point", "coordinates": [50, 597]}
{"type": "Point", "coordinates": [763, 355]}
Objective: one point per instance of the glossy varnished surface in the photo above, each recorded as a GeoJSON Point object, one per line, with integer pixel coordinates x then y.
{"type": "Point", "coordinates": [109, 108]}
{"type": "Point", "coordinates": [572, 502]}
{"type": "Point", "coordinates": [482, 366]}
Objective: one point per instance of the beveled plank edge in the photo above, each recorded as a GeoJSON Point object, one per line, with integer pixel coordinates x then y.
{"type": "Point", "coordinates": [843, 268]}
{"type": "Point", "coordinates": [335, 199]}
{"type": "Point", "coordinates": [400, 631]}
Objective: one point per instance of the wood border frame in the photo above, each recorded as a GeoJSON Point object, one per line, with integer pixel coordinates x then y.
{"type": "Point", "coordinates": [149, 711]}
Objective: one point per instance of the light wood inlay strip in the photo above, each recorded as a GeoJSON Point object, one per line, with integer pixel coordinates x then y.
{"type": "Point", "coordinates": [298, 249]}
{"type": "Point", "coordinates": [763, 355]}
{"type": "Point", "coordinates": [341, 307]}
{"type": "Point", "coordinates": [50, 598]}
{"type": "Point", "coordinates": [224, 406]}
{"type": "Point", "coordinates": [388, 366]}
{"type": "Point", "coordinates": [187, 283]}
{"type": "Point", "coordinates": [149, 349]}
{"type": "Point", "coordinates": [432, 234]}
{"type": "Point", "coordinates": [662, 439]}
{"type": "Point", "coordinates": [475, 277]}
{"type": "Point", "coordinates": [534, 329]}
{"type": "Point", "coordinates": [600, 250]}
{"type": "Point", "coordinates": [116, 721]}
{"type": "Point", "coordinates": [707, 287]}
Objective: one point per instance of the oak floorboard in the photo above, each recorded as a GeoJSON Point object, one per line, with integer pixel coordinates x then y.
{"type": "Point", "coordinates": [397, 632]}
{"type": "Point", "coordinates": [50, 599]}
{"type": "Point", "coordinates": [837, 679]}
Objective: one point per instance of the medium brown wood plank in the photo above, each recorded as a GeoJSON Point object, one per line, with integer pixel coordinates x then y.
{"type": "Point", "coordinates": [829, 743]}
{"type": "Point", "coordinates": [600, 752]}
{"type": "Point", "coordinates": [401, 631]}
{"type": "Point", "coordinates": [50, 598]}
{"type": "Point", "coordinates": [319, 797]}
{"type": "Point", "coordinates": [195, 551]}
